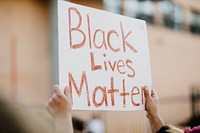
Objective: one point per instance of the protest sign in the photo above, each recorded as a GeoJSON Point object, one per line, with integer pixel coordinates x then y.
{"type": "Point", "coordinates": [103, 58]}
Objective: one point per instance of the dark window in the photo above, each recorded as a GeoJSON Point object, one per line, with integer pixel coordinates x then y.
{"type": "Point", "coordinates": [172, 15]}
{"type": "Point", "coordinates": [195, 22]}
{"type": "Point", "coordinates": [146, 11]}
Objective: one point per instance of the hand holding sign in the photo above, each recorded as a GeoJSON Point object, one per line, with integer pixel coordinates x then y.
{"type": "Point", "coordinates": [59, 106]}
{"type": "Point", "coordinates": [103, 58]}
{"type": "Point", "coordinates": [152, 110]}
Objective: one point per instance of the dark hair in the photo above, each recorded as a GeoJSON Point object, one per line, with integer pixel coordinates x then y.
{"type": "Point", "coordinates": [169, 129]}
{"type": "Point", "coordinates": [8, 121]}
{"type": "Point", "coordinates": [78, 124]}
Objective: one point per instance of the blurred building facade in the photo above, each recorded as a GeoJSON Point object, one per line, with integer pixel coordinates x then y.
{"type": "Point", "coordinates": [179, 15]}
{"type": "Point", "coordinates": [28, 46]}
{"type": "Point", "coordinates": [24, 44]}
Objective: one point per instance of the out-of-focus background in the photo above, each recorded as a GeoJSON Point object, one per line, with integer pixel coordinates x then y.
{"type": "Point", "coordinates": [28, 57]}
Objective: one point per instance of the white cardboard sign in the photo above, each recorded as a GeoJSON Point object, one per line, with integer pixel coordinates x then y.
{"type": "Point", "coordinates": [103, 58]}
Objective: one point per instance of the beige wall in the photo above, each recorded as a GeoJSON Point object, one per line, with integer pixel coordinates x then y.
{"type": "Point", "coordinates": [27, 21]}
{"type": "Point", "coordinates": [175, 69]}
{"type": "Point", "coordinates": [175, 61]}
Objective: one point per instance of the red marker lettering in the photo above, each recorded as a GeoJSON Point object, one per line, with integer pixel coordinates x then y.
{"type": "Point", "coordinates": [104, 97]}
{"type": "Point", "coordinates": [133, 93]}
{"type": "Point", "coordinates": [125, 43]}
{"type": "Point", "coordinates": [78, 91]}
{"type": "Point", "coordinates": [112, 91]}
{"type": "Point", "coordinates": [73, 29]}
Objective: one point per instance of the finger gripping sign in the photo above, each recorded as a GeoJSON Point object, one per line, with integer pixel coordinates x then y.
{"type": "Point", "coordinates": [103, 58]}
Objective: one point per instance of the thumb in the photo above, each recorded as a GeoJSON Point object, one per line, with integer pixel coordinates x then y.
{"type": "Point", "coordinates": [67, 92]}
{"type": "Point", "coordinates": [57, 90]}
{"type": "Point", "coordinates": [147, 98]}
{"type": "Point", "coordinates": [146, 93]}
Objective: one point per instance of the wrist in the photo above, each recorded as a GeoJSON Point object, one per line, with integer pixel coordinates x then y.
{"type": "Point", "coordinates": [63, 116]}
{"type": "Point", "coordinates": [64, 124]}
{"type": "Point", "coordinates": [155, 118]}
{"type": "Point", "coordinates": [63, 120]}
{"type": "Point", "coordinates": [156, 122]}
{"type": "Point", "coordinates": [153, 114]}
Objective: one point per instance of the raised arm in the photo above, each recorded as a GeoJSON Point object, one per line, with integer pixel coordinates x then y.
{"type": "Point", "coordinates": [59, 107]}
{"type": "Point", "coordinates": [151, 108]}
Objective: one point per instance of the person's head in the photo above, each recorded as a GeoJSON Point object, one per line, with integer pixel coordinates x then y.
{"type": "Point", "coordinates": [78, 124]}
{"type": "Point", "coordinates": [8, 122]}
{"type": "Point", "coordinates": [16, 118]}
